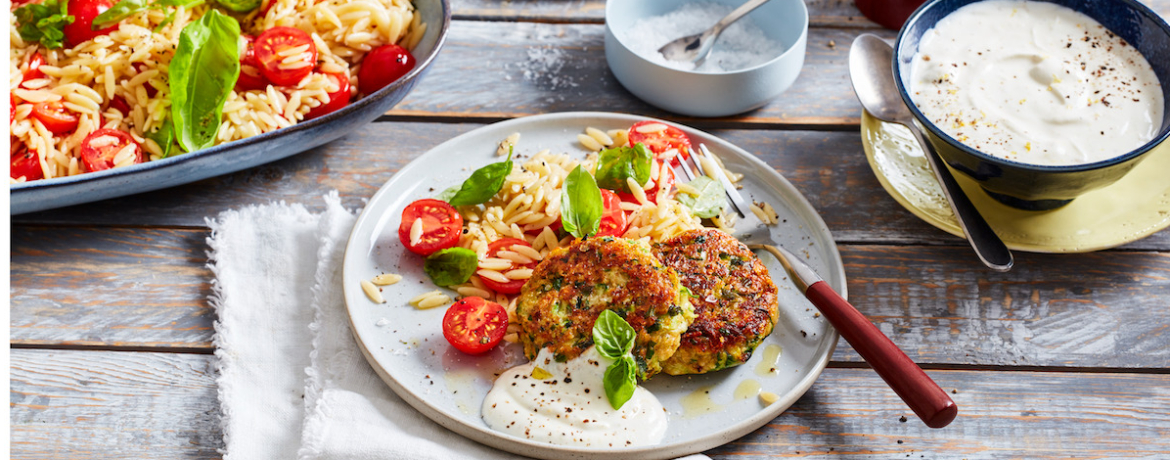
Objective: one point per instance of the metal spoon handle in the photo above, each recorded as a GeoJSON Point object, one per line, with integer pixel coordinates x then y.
{"type": "Point", "coordinates": [987, 245]}
{"type": "Point", "coordinates": [917, 389]}
{"type": "Point", "coordinates": [734, 16]}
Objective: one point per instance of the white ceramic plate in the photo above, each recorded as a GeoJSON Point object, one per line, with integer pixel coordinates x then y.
{"type": "Point", "coordinates": [407, 349]}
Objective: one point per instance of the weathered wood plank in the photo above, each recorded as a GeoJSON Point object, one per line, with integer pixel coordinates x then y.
{"type": "Point", "coordinates": [829, 168]}
{"type": "Point", "coordinates": [97, 405]}
{"type": "Point", "coordinates": [822, 13]}
{"type": "Point", "coordinates": [100, 405]}
{"type": "Point", "coordinates": [493, 70]}
{"type": "Point", "coordinates": [118, 287]}
{"type": "Point", "coordinates": [148, 288]}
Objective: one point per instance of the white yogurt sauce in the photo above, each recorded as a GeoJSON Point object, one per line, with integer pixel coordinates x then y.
{"type": "Point", "coordinates": [570, 407]}
{"type": "Point", "coordinates": [1035, 82]}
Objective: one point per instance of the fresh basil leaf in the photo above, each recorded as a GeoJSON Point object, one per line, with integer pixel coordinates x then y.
{"type": "Point", "coordinates": [581, 205]}
{"type": "Point", "coordinates": [446, 195]}
{"type": "Point", "coordinates": [188, 4]}
{"type": "Point", "coordinates": [202, 74]}
{"type": "Point", "coordinates": [239, 6]}
{"type": "Point", "coordinates": [616, 164]}
{"type": "Point", "coordinates": [711, 200]}
{"type": "Point", "coordinates": [118, 12]}
{"type": "Point", "coordinates": [165, 138]}
{"type": "Point", "coordinates": [612, 335]}
{"type": "Point", "coordinates": [451, 266]}
{"type": "Point", "coordinates": [483, 184]}
{"type": "Point", "coordinates": [44, 22]}
{"type": "Point", "coordinates": [620, 382]}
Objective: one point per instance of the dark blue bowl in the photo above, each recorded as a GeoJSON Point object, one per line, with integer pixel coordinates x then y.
{"type": "Point", "coordinates": [1040, 187]}
{"type": "Point", "coordinates": [242, 154]}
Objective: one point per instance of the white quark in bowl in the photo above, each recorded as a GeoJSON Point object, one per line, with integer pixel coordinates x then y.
{"type": "Point", "coordinates": [1035, 82]}
{"type": "Point", "coordinates": [742, 45]}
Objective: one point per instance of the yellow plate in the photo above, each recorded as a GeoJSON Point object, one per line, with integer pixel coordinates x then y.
{"type": "Point", "coordinates": [1128, 210]}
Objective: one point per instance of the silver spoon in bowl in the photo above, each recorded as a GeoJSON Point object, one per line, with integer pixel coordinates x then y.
{"type": "Point", "coordinates": [871, 71]}
{"type": "Point", "coordinates": [695, 48]}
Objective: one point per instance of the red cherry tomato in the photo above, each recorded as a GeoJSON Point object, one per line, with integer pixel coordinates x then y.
{"type": "Point", "coordinates": [250, 76]}
{"type": "Point", "coordinates": [55, 117]}
{"type": "Point", "coordinates": [119, 104]}
{"type": "Point", "coordinates": [33, 71]}
{"type": "Point", "coordinates": [613, 219]}
{"type": "Point", "coordinates": [272, 42]}
{"type": "Point", "coordinates": [11, 109]}
{"type": "Point", "coordinates": [337, 99]}
{"type": "Point", "coordinates": [441, 226]}
{"type": "Point", "coordinates": [383, 66]}
{"type": "Point", "coordinates": [83, 12]}
{"type": "Point", "coordinates": [512, 286]}
{"type": "Point", "coordinates": [100, 147]}
{"type": "Point", "coordinates": [25, 163]}
{"type": "Point", "coordinates": [662, 141]}
{"type": "Point", "coordinates": [652, 192]}
{"type": "Point", "coordinates": [474, 325]}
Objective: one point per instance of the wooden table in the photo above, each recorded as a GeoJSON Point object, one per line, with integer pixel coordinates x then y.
{"type": "Point", "coordinates": [1065, 356]}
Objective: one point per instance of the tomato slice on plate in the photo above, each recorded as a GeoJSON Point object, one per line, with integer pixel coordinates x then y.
{"type": "Point", "coordinates": [337, 99]}
{"type": "Point", "coordinates": [33, 71]}
{"type": "Point", "coordinates": [25, 163]}
{"type": "Point", "coordinates": [474, 325]}
{"type": "Point", "coordinates": [55, 117]}
{"type": "Point", "coordinates": [613, 219]}
{"type": "Point", "coordinates": [100, 147]}
{"type": "Point", "coordinates": [512, 286]}
{"type": "Point", "coordinates": [652, 192]}
{"type": "Point", "coordinates": [120, 104]}
{"type": "Point", "coordinates": [250, 77]}
{"type": "Point", "coordinates": [662, 141]}
{"type": "Point", "coordinates": [272, 48]}
{"type": "Point", "coordinates": [84, 12]}
{"type": "Point", "coordinates": [383, 66]}
{"type": "Point", "coordinates": [441, 226]}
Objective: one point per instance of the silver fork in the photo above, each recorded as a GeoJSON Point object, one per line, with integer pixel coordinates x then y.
{"type": "Point", "coordinates": [920, 393]}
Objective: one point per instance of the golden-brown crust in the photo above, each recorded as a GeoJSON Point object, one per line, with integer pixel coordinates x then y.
{"type": "Point", "coordinates": [572, 286]}
{"type": "Point", "coordinates": [733, 296]}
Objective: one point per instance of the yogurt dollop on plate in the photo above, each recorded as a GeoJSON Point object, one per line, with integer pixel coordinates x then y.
{"type": "Point", "coordinates": [1035, 82]}
{"type": "Point", "coordinates": [565, 403]}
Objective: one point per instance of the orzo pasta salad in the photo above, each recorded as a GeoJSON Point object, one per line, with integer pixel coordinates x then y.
{"type": "Point", "coordinates": [484, 238]}
{"type": "Point", "coordinates": [99, 84]}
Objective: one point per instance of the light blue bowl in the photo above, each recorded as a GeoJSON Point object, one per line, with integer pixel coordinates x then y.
{"type": "Point", "coordinates": [708, 94]}
{"type": "Point", "coordinates": [234, 156]}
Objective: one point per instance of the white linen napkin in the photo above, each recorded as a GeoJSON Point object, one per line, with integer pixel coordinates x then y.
{"type": "Point", "coordinates": [292, 382]}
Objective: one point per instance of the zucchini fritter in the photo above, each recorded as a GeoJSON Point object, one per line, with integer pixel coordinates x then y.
{"type": "Point", "coordinates": [573, 285]}
{"type": "Point", "coordinates": [733, 295]}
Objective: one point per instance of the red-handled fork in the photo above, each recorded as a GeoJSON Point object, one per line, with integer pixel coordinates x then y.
{"type": "Point", "coordinates": [922, 394]}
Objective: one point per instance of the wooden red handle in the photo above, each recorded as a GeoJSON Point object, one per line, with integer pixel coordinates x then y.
{"type": "Point", "coordinates": [924, 397]}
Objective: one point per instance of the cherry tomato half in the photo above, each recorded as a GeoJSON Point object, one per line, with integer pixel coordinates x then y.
{"type": "Point", "coordinates": [441, 226]}
{"type": "Point", "coordinates": [272, 42]}
{"type": "Point", "coordinates": [119, 104]}
{"type": "Point", "coordinates": [83, 12]}
{"type": "Point", "coordinates": [100, 147]}
{"type": "Point", "coordinates": [337, 99]}
{"type": "Point", "coordinates": [33, 71]}
{"type": "Point", "coordinates": [383, 66]}
{"type": "Point", "coordinates": [25, 163]}
{"type": "Point", "coordinates": [250, 76]}
{"type": "Point", "coordinates": [613, 219]}
{"type": "Point", "coordinates": [652, 192]}
{"type": "Point", "coordinates": [512, 286]}
{"type": "Point", "coordinates": [662, 141]}
{"type": "Point", "coordinates": [55, 117]}
{"type": "Point", "coordinates": [473, 325]}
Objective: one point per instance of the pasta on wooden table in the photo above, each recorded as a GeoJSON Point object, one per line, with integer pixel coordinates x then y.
{"type": "Point", "coordinates": [121, 80]}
